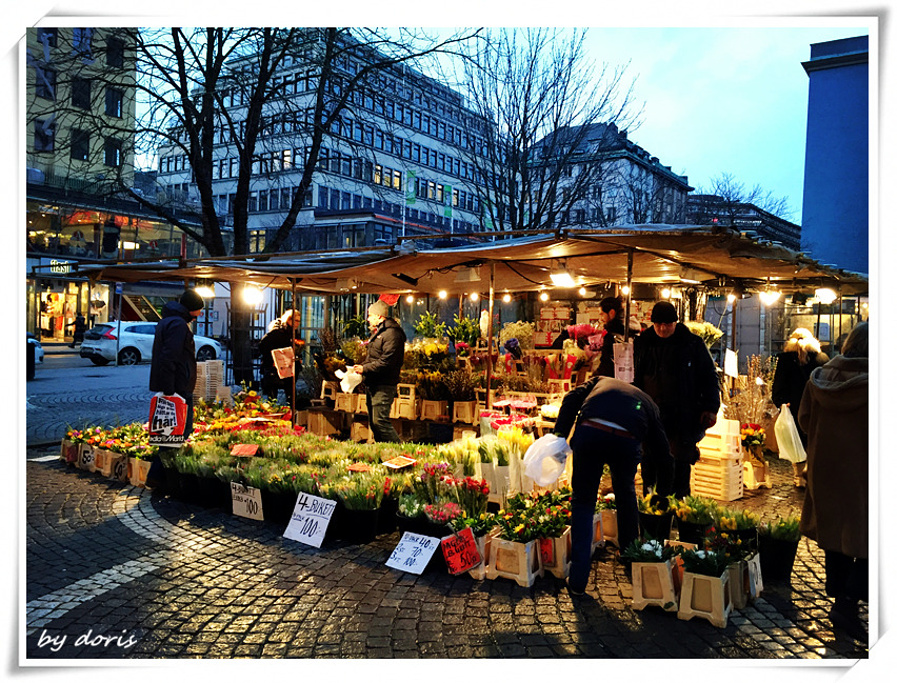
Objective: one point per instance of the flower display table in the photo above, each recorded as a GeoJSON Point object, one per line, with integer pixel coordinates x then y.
{"type": "Point", "coordinates": [653, 584]}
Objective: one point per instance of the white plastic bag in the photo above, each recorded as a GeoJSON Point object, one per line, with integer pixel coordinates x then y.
{"type": "Point", "coordinates": [790, 446]}
{"type": "Point", "coordinates": [545, 460]}
{"type": "Point", "coordinates": [348, 380]}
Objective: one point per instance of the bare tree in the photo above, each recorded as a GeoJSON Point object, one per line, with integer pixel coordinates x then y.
{"type": "Point", "coordinates": [542, 112]}
{"type": "Point", "coordinates": [727, 197]}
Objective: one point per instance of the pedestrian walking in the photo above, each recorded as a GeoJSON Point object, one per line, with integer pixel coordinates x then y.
{"type": "Point", "coordinates": [173, 365]}
{"type": "Point", "coordinates": [80, 326]}
{"type": "Point", "coordinates": [800, 355]}
{"type": "Point", "coordinates": [619, 425]}
{"type": "Point", "coordinates": [834, 413]}
{"type": "Point", "coordinates": [381, 369]}
{"type": "Point", "coordinates": [674, 367]}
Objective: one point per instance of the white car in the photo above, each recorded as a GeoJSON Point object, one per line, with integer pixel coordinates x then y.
{"type": "Point", "coordinates": [134, 342]}
{"type": "Point", "coordinates": [38, 349]}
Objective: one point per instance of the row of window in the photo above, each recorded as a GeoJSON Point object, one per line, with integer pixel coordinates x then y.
{"type": "Point", "coordinates": [82, 44]}
{"type": "Point", "coordinates": [45, 87]}
{"type": "Point", "coordinates": [79, 143]}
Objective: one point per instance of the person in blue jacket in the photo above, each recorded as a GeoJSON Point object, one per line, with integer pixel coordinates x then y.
{"type": "Point", "coordinates": [619, 425]}
{"type": "Point", "coordinates": [173, 365]}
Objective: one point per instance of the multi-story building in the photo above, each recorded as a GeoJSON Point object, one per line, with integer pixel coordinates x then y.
{"type": "Point", "coordinates": [749, 219]}
{"type": "Point", "coordinates": [609, 180]}
{"type": "Point", "coordinates": [395, 165]}
{"type": "Point", "coordinates": [835, 217]}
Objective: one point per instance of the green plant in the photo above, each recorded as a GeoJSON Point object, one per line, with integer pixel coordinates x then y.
{"type": "Point", "coordinates": [651, 505]}
{"type": "Point", "coordinates": [782, 529]}
{"type": "Point", "coordinates": [465, 330]}
{"type": "Point", "coordinates": [355, 327]}
{"type": "Point", "coordinates": [461, 385]}
{"type": "Point", "coordinates": [704, 562]}
{"type": "Point", "coordinates": [427, 326]}
{"type": "Point", "coordinates": [729, 520]}
{"type": "Point", "coordinates": [648, 551]}
{"type": "Point", "coordinates": [480, 525]}
{"type": "Point", "coordinates": [694, 509]}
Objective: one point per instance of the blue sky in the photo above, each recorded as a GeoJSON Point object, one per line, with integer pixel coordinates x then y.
{"type": "Point", "coordinates": [722, 100]}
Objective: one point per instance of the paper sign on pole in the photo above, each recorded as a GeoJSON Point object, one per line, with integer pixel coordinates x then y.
{"type": "Point", "coordinates": [247, 501]}
{"type": "Point", "coordinates": [730, 364]}
{"type": "Point", "coordinates": [310, 519]}
{"type": "Point", "coordinates": [167, 420]}
{"type": "Point", "coordinates": [461, 552]}
{"type": "Point", "coordinates": [624, 365]}
{"type": "Point", "coordinates": [413, 553]}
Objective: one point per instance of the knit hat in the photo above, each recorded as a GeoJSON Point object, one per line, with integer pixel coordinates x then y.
{"type": "Point", "coordinates": [379, 308]}
{"type": "Point", "coordinates": [664, 312]}
{"type": "Point", "coordinates": [192, 301]}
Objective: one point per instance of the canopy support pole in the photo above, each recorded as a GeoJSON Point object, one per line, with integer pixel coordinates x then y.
{"type": "Point", "coordinates": [296, 312]}
{"type": "Point", "coordinates": [489, 341]}
{"type": "Point", "coordinates": [629, 258]}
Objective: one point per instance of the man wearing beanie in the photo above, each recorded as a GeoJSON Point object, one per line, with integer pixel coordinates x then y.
{"type": "Point", "coordinates": [674, 367]}
{"type": "Point", "coordinates": [173, 365]}
{"type": "Point", "coordinates": [381, 369]}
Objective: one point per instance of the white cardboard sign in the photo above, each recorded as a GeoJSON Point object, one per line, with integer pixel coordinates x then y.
{"type": "Point", "coordinates": [310, 519]}
{"type": "Point", "coordinates": [247, 501]}
{"type": "Point", "coordinates": [413, 553]}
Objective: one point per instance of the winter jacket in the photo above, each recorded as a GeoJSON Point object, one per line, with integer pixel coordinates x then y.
{"type": "Point", "coordinates": [613, 400]}
{"type": "Point", "coordinates": [385, 355]}
{"type": "Point", "coordinates": [679, 374]}
{"type": "Point", "coordinates": [790, 379]}
{"type": "Point", "coordinates": [834, 413]}
{"type": "Point", "coordinates": [606, 359]}
{"type": "Point", "coordinates": [173, 366]}
{"type": "Point", "coordinates": [278, 337]}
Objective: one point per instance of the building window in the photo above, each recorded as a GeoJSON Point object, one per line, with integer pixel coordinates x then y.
{"type": "Point", "coordinates": [82, 39]}
{"type": "Point", "coordinates": [45, 83]}
{"type": "Point", "coordinates": [80, 145]}
{"type": "Point", "coordinates": [112, 152]}
{"type": "Point", "coordinates": [256, 241]}
{"type": "Point", "coordinates": [44, 135]}
{"type": "Point", "coordinates": [114, 99]}
{"type": "Point", "coordinates": [81, 93]}
{"type": "Point", "coordinates": [115, 53]}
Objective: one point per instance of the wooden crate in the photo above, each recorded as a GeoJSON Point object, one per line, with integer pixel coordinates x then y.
{"type": "Point", "coordinates": [346, 402]}
{"type": "Point", "coordinates": [404, 408]}
{"type": "Point", "coordinates": [653, 584]}
{"type": "Point", "coordinates": [361, 431]}
{"type": "Point", "coordinates": [521, 562]}
{"type": "Point", "coordinates": [465, 411]}
{"type": "Point", "coordinates": [718, 478]}
{"type": "Point", "coordinates": [707, 597]}
{"type": "Point", "coordinates": [434, 410]}
{"type": "Point", "coordinates": [324, 422]}
{"type": "Point", "coordinates": [557, 554]}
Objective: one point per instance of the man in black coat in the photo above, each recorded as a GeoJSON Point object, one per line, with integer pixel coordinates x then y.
{"type": "Point", "coordinates": [381, 369]}
{"type": "Point", "coordinates": [674, 367]}
{"type": "Point", "coordinates": [619, 425]}
{"type": "Point", "coordinates": [173, 365]}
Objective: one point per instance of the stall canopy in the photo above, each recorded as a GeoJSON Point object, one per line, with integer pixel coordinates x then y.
{"type": "Point", "coordinates": [713, 256]}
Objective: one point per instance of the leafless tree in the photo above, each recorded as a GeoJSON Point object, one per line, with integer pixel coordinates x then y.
{"type": "Point", "coordinates": [727, 197]}
{"type": "Point", "coordinates": [543, 110]}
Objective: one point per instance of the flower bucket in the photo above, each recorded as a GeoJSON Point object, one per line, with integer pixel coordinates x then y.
{"type": "Point", "coordinates": [433, 410]}
{"type": "Point", "coordinates": [416, 525]}
{"type": "Point", "coordinates": [86, 457]}
{"type": "Point", "coordinates": [360, 526]}
{"type": "Point", "coordinates": [597, 531]}
{"type": "Point", "coordinates": [464, 411]}
{"type": "Point", "coordinates": [739, 584]}
{"type": "Point", "coordinates": [214, 493]}
{"type": "Point", "coordinates": [556, 554]}
{"type": "Point", "coordinates": [137, 471]}
{"type": "Point", "coordinates": [278, 506]}
{"type": "Point", "coordinates": [707, 597]}
{"type": "Point", "coordinates": [691, 532]}
{"type": "Point", "coordinates": [653, 583]}
{"type": "Point", "coordinates": [521, 562]}
{"type": "Point", "coordinates": [386, 522]}
{"type": "Point", "coordinates": [777, 558]}
{"type": "Point", "coordinates": [102, 461]}
{"type": "Point", "coordinates": [657, 527]}
{"type": "Point", "coordinates": [609, 527]}
{"type": "Point", "coordinates": [174, 482]}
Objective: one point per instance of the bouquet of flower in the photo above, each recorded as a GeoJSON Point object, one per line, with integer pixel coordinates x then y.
{"type": "Point", "coordinates": [410, 506]}
{"type": "Point", "coordinates": [480, 525]}
{"type": "Point", "coordinates": [752, 436]}
{"type": "Point", "coordinates": [649, 505]}
{"type": "Point", "coordinates": [434, 484]}
{"type": "Point", "coordinates": [648, 551]}
{"type": "Point", "coordinates": [472, 495]}
{"type": "Point", "coordinates": [694, 509]}
{"type": "Point", "coordinates": [359, 492]}
{"type": "Point", "coordinates": [523, 332]}
{"type": "Point", "coordinates": [708, 332]}
{"type": "Point", "coordinates": [608, 502]}
{"type": "Point", "coordinates": [704, 562]}
{"type": "Point", "coordinates": [727, 544]}
{"type": "Point", "coordinates": [731, 520]}
{"type": "Point", "coordinates": [443, 513]}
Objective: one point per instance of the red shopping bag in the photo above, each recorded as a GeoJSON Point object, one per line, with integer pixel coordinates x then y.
{"type": "Point", "coordinates": [167, 420]}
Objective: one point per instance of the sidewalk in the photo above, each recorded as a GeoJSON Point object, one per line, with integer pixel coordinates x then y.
{"type": "Point", "coordinates": [173, 580]}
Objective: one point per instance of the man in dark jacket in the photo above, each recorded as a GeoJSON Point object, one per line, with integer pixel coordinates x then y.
{"type": "Point", "coordinates": [173, 365]}
{"type": "Point", "coordinates": [674, 367]}
{"type": "Point", "coordinates": [616, 424]}
{"type": "Point", "coordinates": [381, 369]}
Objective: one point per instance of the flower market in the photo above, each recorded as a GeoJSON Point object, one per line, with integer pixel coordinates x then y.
{"type": "Point", "coordinates": [475, 393]}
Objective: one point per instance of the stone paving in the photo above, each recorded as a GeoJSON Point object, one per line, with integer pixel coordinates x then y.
{"type": "Point", "coordinates": [115, 572]}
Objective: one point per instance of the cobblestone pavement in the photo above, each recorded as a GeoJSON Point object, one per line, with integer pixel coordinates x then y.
{"type": "Point", "coordinates": [115, 572]}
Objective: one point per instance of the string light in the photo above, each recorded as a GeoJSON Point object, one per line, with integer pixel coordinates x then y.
{"type": "Point", "coordinates": [409, 299]}
{"type": "Point", "coordinates": [474, 296]}
{"type": "Point", "coordinates": [443, 294]}
{"type": "Point", "coordinates": [543, 296]}
{"type": "Point", "coordinates": [506, 298]}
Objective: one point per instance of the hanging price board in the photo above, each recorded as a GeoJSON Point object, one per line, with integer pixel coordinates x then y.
{"type": "Point", "coordinates": [247, 501]}
{"type": "Point", "coordinates": [310, 519]}
{"type": "Point", "coordinates": [413, 553]}
{"type": "Point", "coordinates": [461, 552]}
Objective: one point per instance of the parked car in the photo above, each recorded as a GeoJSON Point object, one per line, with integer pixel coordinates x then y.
{"type": "Point", "coordinates": [38, 349]}
{"type": "Point", "coordinates": [134, 340]}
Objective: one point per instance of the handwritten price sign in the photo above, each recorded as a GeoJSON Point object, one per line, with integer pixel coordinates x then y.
{"type": "Point", "coordinates": [247, 501]}
{"type": "Point", "coordinates": [413, 553]}
{"type": "Point", "coordinates": [310, 519]}
{"type": "Point", "coordinates": [461, 552]}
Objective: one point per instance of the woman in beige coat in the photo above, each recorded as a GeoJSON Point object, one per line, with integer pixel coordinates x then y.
{"type": "Point", "coordinates": [834, 413]}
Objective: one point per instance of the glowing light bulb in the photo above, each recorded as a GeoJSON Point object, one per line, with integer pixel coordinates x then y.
{"type": "Point", "coordinates": [544, 296]}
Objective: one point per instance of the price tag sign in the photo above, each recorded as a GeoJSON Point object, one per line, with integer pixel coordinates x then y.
{"type": "Point", "coordinates": [413, 553]}
{"type": "Point", "coordinates": [310, 519]}
{"type": "Point", "coordinates": [247, 501]}
{"type": "Point", "coordinates": [461, 552]}
{"type": "Point", "coordinates": [399, 462]}
{"type": "Point", "coordinates": [244, 450]}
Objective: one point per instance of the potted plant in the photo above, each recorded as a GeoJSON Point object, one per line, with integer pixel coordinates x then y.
{"type": "Point", "coordinates": [742, 523]}
{"type": "Point", "coordinates": [740, 556]}
{"type": "Point", "coordinates": [360, 495]}
{"type": "Point", "coordinates": [777, 542]}
{"type": "Point", "coordinates": [753, 441]}
{"type": "Point", "coordinates": [653, 580]}
{"type": "Point", "coordinates": [694, 515]}
{"type": "Point", "coordinates": [655, 520]}
{"type": "Point", "coordinates": [705, 586]}
{"type": "Point", "coordinates": [482, 527]}
{"type": "Point", "coordinates": [461, 386]}
{"type": "Point", "coordinates": [606, 509]}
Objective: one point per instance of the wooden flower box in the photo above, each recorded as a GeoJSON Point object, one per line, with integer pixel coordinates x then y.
{"type": "Point", "coordinates": [609, 527]}
{"type": "Point", "coordinates": [137, 471]}
{"type": "Point", "coordinates": [360, 431]}
{"type": "Point", "coordinates": [653, 583]}
{"type": "Point", "coordinates": [464, 411]}
{"type": "Point", "coordinates": [521, 562]}
{"type": "Point", "coordinates": [103, 460]}
{"type": "Point", "coordinates": [556, 554]}
{"type": "Point", "coordinates": [346, 402]}
{"type": "Point", "coordinates": [329, 390]}
{"type": "Point", "coordinates": [434, 410]}
{"type": "Point", "coordinates": [120, 468]}
{"type": "Point", "coordinates": [707, 597]}
{"type": "Point", "coordinates": [403, 408]}
{"type": "Point", "coordinates": [361, 405]}
{"type": "Point", "coordinates": [498, 478]}
{"type": "Point", "coordinates": [86, 457]}
{"type": "Point", "coordinates": [484, 545]}
{"type": "Point", "coordinates": [68, 452]}
{"type": "Point", "coordinates": [324, 422]}
{"type": "Point", "coordinates": [745, 581]}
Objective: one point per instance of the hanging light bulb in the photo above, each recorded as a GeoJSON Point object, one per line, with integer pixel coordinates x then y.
{"type": "Point", "coordinates": [252, 295]}
{"type": "Point", "coordinates": [625, 290]}
{"type": "Point", "coordinates": [409, 299]}
{"type": "Point", "coordinates": [506, 298]}
{"type": "Point", "coordinates": [730, 297]}
{"type": "Point", "coordinates": [826, 295]}
{"type": "Point", "coordinates": [665, 292]}
{"type": "Point", "coordinates": [583, 291]}
{"type": "Point", "coordinates": [443, 294]}
{"type": "Point", "coordinates": [474, 296]}
{"type": "Point", "coordinates": [543, 296]}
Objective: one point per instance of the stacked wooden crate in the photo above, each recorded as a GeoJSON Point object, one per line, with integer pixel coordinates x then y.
{"type": "Point", "coordinates": [719, 473]}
